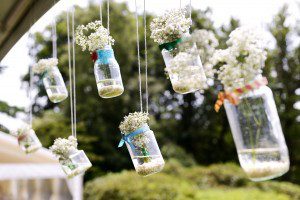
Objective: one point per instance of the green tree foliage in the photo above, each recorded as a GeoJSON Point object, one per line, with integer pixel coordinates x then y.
{"type": "Point", "coordinates": [185, 125]}
{"type": "Point", "coordinates": [222, 181]}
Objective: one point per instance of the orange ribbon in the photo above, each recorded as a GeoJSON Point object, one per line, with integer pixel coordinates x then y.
{"type": "Point", "coordinates": [233, 97]}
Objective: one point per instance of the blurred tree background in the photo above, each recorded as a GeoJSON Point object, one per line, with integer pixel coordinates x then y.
{"type": "Point", "coordinates": [186, 126]}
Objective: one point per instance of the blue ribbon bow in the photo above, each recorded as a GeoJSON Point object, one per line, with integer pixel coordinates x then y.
{"type": "Point", "coordinates": [126, 138]}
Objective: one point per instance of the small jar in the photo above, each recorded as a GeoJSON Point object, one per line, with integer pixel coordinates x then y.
{"type": "Point", "coordinates": [107, 73]}
{"type": "Point", "coordinates": [257, 134]}
{"type": "Point", "coordinates": [77, 163]}
{"type": "Point", "coordinates": [55, 85]}
{"type": "Point", "coordinates": [144, 151]}
{"type": "Point", "coordinates": [183, 65]}
{"type": "Point", "coordinates": [28, 141]}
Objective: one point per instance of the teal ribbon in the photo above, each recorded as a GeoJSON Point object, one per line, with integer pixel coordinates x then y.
{"type": "Point", "coordinates": [170, 45]}
{"type": "Point", "coordinates": [104, 55]}
{"type": "Point", "coordinates": [126, 138]}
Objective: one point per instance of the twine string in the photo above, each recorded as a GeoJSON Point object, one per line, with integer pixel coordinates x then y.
{"type": "Point", "coordinates": [146, 57]}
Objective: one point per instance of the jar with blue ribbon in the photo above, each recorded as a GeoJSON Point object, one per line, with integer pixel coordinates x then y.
{"type": "Point", "coordinates": [141, 144]}
{"type": "Point", "coordinates": [107, 73]}
{"type": "Point", "coordinates": [52, 79]}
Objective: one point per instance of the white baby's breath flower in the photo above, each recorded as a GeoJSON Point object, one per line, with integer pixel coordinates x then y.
{"type": "Point", "coordinates": [63, 147]}
{"type": "Point", "coordinates": [98, 36]}
{"type": "Point", "coordinates": [170, 26]}
{"type": "Point", "coordinates": [44, 64]}
{"type": "Point", "coordinates": [133, 121]}
{"type": "Point", "coordinates": [242, 61]}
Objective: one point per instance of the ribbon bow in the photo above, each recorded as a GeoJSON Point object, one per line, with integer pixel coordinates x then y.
{"type": "Point", "coordinates": [233, 97]}
{"type": "Point", "coordinates": [126, 138]}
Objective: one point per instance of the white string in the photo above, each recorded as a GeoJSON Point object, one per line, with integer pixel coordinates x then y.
{"type": "Point", "coordinates": [138, 54]}
{"type": "Point", "coordinates": [54, 39]}
{"type": "Point", "coordinates": [70, 72]}
{"type": "Point", "coordinates": [74, 72]}
{"type": "Point", "coordinates": [30, 93]}
{"type": "Point", "coordinates": [108, 28]}
{"type": "Point", "coordinates": [180, 4]}
{"type": "Point", "coordinates": [100, 10]}
{"type": "Point", "coordinates": [146, 57]}
{"type": "Point", "coordinates": [191, 9]}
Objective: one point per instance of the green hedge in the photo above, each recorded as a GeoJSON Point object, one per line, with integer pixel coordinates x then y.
{"type": "Point", "coordinates": [220, 181]}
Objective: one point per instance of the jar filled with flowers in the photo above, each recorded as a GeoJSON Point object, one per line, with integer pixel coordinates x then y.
{"type": "Point", "coordinates": [52, 79]}
{"type": "Point", "coordinates": [141, 144]}
{"type": "Point", "coordinates": [97, 40]}
{"type": "Point", "coordinates": [72, 160]}
{"type": "Point", "coordinates": [183, 63]}
{"type": "Point", "coordinates": [250, 106]}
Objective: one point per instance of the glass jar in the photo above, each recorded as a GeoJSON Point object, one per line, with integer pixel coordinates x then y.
{"type": "Point", "coordinates": [55, 85]}
{"type": "Point", "coordinates": [257, 134]}
{"type": "Point", "coordinates": [144, 151]}
{"type": "Point", "coordinates": [183, 65]}
{"type": "Point", "coordinates": [107, 73]}
{"type": "Point", "coordinates": [77, 163]}
{"type": "Point", "coordinates": [28, 141]}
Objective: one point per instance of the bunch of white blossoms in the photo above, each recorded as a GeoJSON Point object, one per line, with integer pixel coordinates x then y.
{"type": "Point", "coordinates": [44, 64]}
{"type": "Point", "coordinates": [63, 147]}
{"type": "Point", "coordinates": [133, 121]}
{"type": "Point", "coordinates": [170, 26]}
{"type": "Point", "coordinates": [97, 39]}
{"type": "Point", "coordinates": [242, 61]}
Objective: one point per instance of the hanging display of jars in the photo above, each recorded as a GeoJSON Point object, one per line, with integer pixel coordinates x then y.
{"type": "Point", "coordinates": [181, 56]}
{"type": "Point", "coordinates": [72, 160]}
{"type": "Point", "coordinates": [141, 144]}
{"type": "Point", "coordinates": [52, 79]}
{"type": "Point", "coordinates": [106, 68]}
{"type": "Point", "coordinates": [27, 139]}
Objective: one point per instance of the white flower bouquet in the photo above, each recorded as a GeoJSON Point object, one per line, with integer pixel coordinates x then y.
{"type": "Point", "coordinates": [93, 36]}
{"type": "Point", "coordinates": [44, 65]}
{"type": "Point", "coordinates": [72, 160]}
{"type": "Point", "coordinates": [141, 143]}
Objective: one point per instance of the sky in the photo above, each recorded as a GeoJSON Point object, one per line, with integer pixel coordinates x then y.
{"type": "Point", "coordinates": [256, 13]}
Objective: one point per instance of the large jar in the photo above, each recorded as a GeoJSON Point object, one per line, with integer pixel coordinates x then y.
{"type": "Point", "coordinates": [107, 73]}
{"type": "Point", "coordinates": [55, 85]}
{"type": "Point", "coordinates": [76, 163]}
{"type": "Point", "coordinates": [183, 65]}
{"type": "Point", "coordinates": [28, 141]}
{"type": "Point", "coordinates": [257, 134]}
{"type": "Point", "coordinates": [144, 151]}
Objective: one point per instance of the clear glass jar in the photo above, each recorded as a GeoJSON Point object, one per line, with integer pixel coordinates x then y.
{"type": "Point", "coordinates": [77, 163]}
{"type": "Point", "coordinates": [258, 136]}
{"type": "Point", "coordinates": [55, 85]}
{"type": "Point", "coordinates": [145, 153]}
{"type": "Point", "coordinates": [28, 141]}
{"type": "Point", "coordinates": [184, 66]}
{"type": "Point", "coordinates": [107, 73]}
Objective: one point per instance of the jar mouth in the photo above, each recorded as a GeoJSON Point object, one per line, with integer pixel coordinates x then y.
{"type": "Point", "coordinates": [106, 47]}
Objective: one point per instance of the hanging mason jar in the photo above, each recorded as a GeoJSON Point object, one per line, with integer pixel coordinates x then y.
{"type": "Point", "coordinates": [52, 79]}
{"type": "Point", "coordinates": [141, 144]}
{"type": "Point", "coordinates": [183, 66]}
{"type": "Point", "coordinates": [27, 139]}
{"type": "Point", "coordinates": [72, 160]}
{"type": "Point", "coordinates": [107, 73]}
{"type": "Point", "coordinates": [257, 134]}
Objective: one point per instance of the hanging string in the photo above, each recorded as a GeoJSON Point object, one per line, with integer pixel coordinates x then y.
{"type": "Point", "coordinates": [108, 28]}
{"type": "Point", "coordinates": [54, 39]}
{"type": "Point", "coordinates": [138, 55]}
{"type": "Point", "coordinates": [180, 4]}
{"type": "Point", "coordinates": [100, 10]}
{"type": "Point", "coordinates": [146, 57]}
{"type": "Point", "coordinates": [30, 92]}
{"type": "Point", "coordinates": [190, 9]}
{"type": "Point", "coordinates": [70, 72]}
{"type": "Point", "coordinates": [74, 72]}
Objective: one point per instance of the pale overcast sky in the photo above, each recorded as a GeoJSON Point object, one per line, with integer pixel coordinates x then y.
{"type": "Point", "coordinates": [251, 12]}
